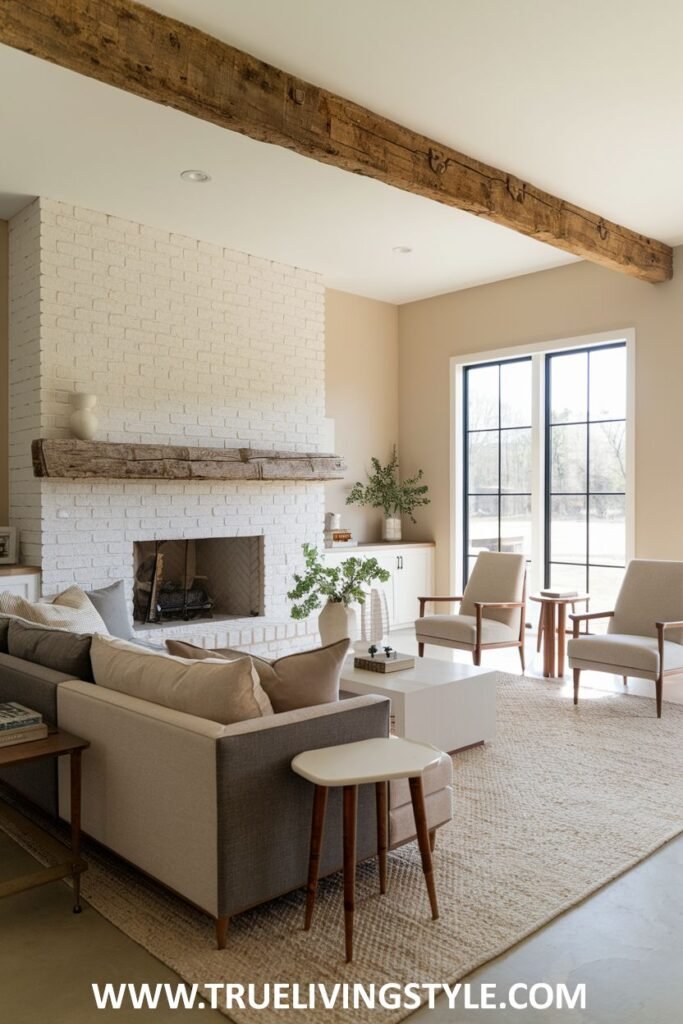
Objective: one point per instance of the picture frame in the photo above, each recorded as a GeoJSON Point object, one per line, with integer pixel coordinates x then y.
{"type": "Point", "coordinates": [8, 545]}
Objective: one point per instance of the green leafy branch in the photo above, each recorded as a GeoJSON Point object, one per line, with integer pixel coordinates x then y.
{"type": "Point", "coordinates": [344, 583]}
{"type": "Point", "coordinates": [385, 490]}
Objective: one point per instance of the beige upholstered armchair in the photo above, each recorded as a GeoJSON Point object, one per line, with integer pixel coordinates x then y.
{"type": "Point", "coordinates": [645, 633]}
{"type": "Point", "coordinates": [491, 609]}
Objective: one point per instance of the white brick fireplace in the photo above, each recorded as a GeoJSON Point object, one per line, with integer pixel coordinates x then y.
{"type": "Point", "coordinates": [183, 343]}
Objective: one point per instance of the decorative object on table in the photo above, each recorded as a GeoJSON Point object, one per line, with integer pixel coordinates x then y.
{"type": "Point", "coordinates": [340, 586]}
{"type": "Point", "coordinates": [83, 420]}
{"type": "Point", "coordinates": [394, 496]}
{"type": "Point", "coordinates": [481, 622]}
{"type": "Point", "coordinates": [9, 545]}
{"type": "Point", "coordinates": [335, 535]}
{"type": "Point", "coordinates": [19, 724]}
{"type": "Point", "coordinates": [393, 662]}
{"type": "Point", "coordinates": [374, 617]}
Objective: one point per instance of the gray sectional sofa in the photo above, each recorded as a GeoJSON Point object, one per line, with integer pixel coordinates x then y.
{"type": "Point", "coordinates": [212, 811]}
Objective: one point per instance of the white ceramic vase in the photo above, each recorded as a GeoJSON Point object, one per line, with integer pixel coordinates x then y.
{"type": "Point", "coordinates": [336, 621]}
{"type": "Point", "coordinates": [83, 421]}
{"type": "Point", "coordinates": [391, 528]}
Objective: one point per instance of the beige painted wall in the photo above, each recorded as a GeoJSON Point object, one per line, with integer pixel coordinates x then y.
{"type": "Point", "coordinates": [4, 379]}
{"type": "Point", "coordinates": [567, 302]}
{"type": "Point", "coordinates": [361, 355]}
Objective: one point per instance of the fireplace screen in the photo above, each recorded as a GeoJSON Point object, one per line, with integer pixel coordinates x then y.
{"type": "Point", "coordinates": [182, 580]}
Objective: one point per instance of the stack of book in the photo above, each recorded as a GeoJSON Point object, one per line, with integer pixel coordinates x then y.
{"type": "Point", "coordinates": [339, 539]}
{"type": "Point", "coordinates": [18, 724]}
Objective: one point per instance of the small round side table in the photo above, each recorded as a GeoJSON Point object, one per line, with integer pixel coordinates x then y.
{"type": "Point", "coordinates": [351, 765]}
{"type": "Point", "coordinates": [553, 623]}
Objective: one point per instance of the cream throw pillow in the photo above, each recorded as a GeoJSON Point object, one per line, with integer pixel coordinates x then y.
{"type": "Point", "coordinates": [218, 690]}
{"type": "Point", "coordinates": [70, 610]}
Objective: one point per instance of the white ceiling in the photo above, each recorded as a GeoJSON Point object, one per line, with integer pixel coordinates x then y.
{"type": "Point", "coordinates": [583, 99]}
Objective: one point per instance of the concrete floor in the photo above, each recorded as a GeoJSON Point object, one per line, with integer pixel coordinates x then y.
{"type": "Point", "coordinates": [625, 943]}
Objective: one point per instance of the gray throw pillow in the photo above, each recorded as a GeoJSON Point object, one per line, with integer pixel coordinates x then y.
{"type": "Point", "coordinates": [54, 648]}
{"type": "Point", "coordinates": [110, 602]}
{"type": "Point", "coordinates": [299, 680]}
{"type": "Point", "coordinates": [4, 630]}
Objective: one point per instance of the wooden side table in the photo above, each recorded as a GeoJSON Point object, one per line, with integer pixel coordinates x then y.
{"type": "Point", "coordinates": [57, 744]}
{"type": "Point", "coordinates": [554, 627]}
{"type": "Point", "coordinates": [351, 765]}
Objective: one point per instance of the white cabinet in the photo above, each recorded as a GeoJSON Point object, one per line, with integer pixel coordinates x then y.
{"type": "Point", "coordinates": [412, 574]}
{"type": "Point", "coordinates": [23, 580]}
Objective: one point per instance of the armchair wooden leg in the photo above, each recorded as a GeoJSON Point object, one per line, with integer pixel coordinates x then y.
{"type": "Point", "coordinates": [659, 686]}
{"type": "Point", "coordinates": [521, 655]}
{"type": "Point", "coordinates": [625, 678]}
{"type": "Point", "coordinates": [420, 650]}
{"type": "Point", "coordinates": [577, 674]}
{"type": "Point", "coordinates": [539, 635]}
{"type": "Point", "coordinates": [476, 655]}
{"type": "Point", "coordinates": [221, 931]}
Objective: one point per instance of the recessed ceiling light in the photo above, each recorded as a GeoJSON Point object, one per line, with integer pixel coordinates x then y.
{"type": "Point", "coordinates": [402, 249]}
{"type": "Point", "coordinates": [198, 177]}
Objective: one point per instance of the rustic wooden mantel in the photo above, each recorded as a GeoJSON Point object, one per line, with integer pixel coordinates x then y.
{"type": "Point", "coordinates": [80, 460]}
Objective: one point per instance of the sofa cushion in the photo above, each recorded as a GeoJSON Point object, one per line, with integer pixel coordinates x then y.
{"type": "Point", "coordinates": [111, 604]}
{"type": "Point", "coordinates": [622, 650]}
{"type": "Point", "coordinates": [70, 610]}
{"type": "Point", "coordinates": [462, 629]}
{"type": "Point", "coordinates": [294, 681]}
{"type": "Point", "coordinates": [219, 690]}
{"type": "Point", "coordinates": [54, 648]}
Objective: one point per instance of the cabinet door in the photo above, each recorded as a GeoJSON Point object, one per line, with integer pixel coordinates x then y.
{"type": "Point", "coordinates": [414, 578]}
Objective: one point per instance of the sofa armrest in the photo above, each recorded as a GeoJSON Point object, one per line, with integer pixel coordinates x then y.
{"type": "Point", "coordinates": [264, 809]}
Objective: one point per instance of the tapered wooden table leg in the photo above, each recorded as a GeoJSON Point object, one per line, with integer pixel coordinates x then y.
{"type": "Point", "coordinates": [75, 767]}
{"type": "Point", "coordinates": [350, 808]}
{"type": "Point", "coordinates": [561, 637]}
{"type": "Point", "coordinates": [549, 628]}
{"type": "Point", "coordinates": [382, 832]}
{"type": "Point", "coordinates": [317, 829]}
{"type": "Point", "coordinates": [417, 797]}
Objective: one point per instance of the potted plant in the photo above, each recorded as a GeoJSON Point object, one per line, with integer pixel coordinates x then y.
{"type": "Point", "coordinates": [338, 586]}
{"type": "Point", "coordinates": [394, 496]}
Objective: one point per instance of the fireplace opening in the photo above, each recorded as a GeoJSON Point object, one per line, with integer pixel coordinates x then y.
{"type": "Point", "coordinates": [183, 580]}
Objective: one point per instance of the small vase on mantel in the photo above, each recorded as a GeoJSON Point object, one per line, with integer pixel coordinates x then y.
{"type": "Point", "coordinates": [83, 421]}
{"type": "Point", "coordinates": [337, 621]}
{"type": "Point", "coordinates": [391, 528]}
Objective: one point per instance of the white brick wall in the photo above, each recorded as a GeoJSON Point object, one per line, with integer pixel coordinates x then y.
{"type": "Point", "coordinates": [183, 342]}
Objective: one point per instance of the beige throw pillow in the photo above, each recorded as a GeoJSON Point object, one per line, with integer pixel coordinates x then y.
{"type": "Point", "coordinates": [70, 610]}
{"type": "Point", "coordinates": [220, 691]}
{"type": "Point", "coordinates": [295, 681]}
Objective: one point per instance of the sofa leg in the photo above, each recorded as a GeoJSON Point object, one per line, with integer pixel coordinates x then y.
{"type": "Point", "coordinates": [420, 650]}
{"type": "Point", "coordinates": [625, 678]}
{"type": "Point", "coordinates": [432, 839]}
{"type": "Point", "coordinates": [659, 686]}
{"type": "Point", "coordinates": [221, 931]}
{"type": "Point", "coordinates": [577, 674]}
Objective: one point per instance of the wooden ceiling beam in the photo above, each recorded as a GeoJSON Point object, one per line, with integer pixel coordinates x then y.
{"type": "Point", "coordinates": [131, 47]}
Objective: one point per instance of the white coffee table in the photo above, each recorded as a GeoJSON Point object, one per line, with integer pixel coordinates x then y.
{"type": "Point", "coordinates": [447, 704]}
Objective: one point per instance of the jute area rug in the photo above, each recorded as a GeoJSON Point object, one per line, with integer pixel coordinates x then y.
{"type": "Point", "coordinates": [564, 800]}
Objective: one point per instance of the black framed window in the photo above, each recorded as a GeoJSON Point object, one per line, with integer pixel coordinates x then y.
{"type": "Point", "coordinates": [585, 492]}
{"type": "Point", "coordinates": [497, 404]}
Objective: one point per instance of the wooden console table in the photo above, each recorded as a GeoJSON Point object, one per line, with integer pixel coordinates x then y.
{"type": "Point", "coordinates": [57, 744]}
